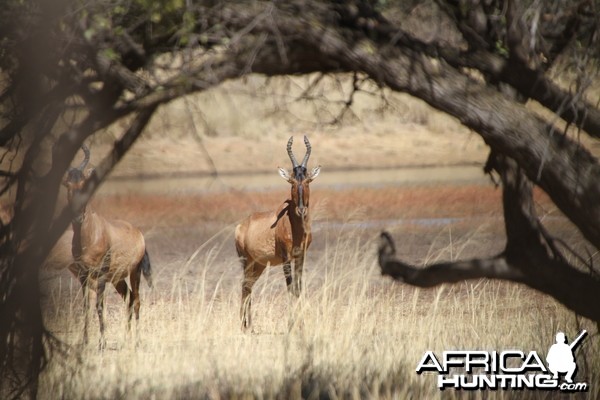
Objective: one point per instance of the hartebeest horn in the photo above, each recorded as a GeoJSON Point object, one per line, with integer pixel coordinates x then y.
{"type": "Point", "coordinates": [86, 158]}
{"type": "Point", "coordinates": [306, 157]}
{"type": "Point", "coordinates": [290, 153]}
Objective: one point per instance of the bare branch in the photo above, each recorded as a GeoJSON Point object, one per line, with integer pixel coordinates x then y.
{"type": "Point", "coordinates": [526, 75]}
{"type": "Point", "coordinates": [114, 70]}
{"type": "Point", "coordinates": [447, 272]}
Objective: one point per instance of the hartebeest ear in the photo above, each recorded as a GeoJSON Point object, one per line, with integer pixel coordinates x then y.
{"type": "Point", "coordinates": [314, 173]}
{"type": "Point", "coordinates": [88, 172]}
{"type": "Point", "coordinates": [66, 180]}
{"type": "Point", "coordinates": [284, 174]}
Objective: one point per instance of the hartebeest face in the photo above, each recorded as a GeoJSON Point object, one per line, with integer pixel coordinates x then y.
{"type": "Point", "coordinates": [300, 190]}
{"type": "Point", "coordinates": [76, 177]}
{"type": "Point", "coordinates": [73, 182]}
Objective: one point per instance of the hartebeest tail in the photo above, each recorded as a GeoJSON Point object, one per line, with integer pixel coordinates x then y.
{"type": "Point", "coordinates": [278, 237]}
{"type": "Point", "coordinates": [146, 268]}
{"type": "Point", "coordinates": [105, 251]}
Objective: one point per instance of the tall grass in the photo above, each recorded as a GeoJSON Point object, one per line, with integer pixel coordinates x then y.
{"type": "Point", "coordinates": [352, 333]}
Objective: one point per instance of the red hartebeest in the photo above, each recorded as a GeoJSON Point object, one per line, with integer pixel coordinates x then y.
{"type": "Point", "coordinates": [277, 237]}
{"type": "Point", "coordinates": [105, 251]}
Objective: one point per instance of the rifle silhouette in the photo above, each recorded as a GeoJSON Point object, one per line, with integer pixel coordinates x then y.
{"type": "Point", "coordinates": [578, 339]}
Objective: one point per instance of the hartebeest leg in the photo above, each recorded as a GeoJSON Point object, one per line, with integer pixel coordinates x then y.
{"type": "Point", "coordinates": [86, 310]}
{"type": "Point", "coordinates": [287, 271]}
{"type": "Point", "coordinates": [298, 267]}
{"type": "Point", "coordinates": [252, 271]}
{"type": "Point", "coordinates": [135, 278]}
{"type": "Point", "coordinates": [82, 276]}
{"type": "Point", "coordinates": [125, 293]}
{"type": "Point", "coordinates": [102, 277]}
{"type": "Point", "coordinates": [100, 308]}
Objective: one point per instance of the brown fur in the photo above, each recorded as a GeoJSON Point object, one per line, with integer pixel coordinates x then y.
{"type": "Point", "coordinates": [104, 251]}
{"type": "Point", "coordinates": [276, 238]}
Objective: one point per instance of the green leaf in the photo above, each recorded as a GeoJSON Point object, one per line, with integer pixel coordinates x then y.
{"type": "Point", "coordinates": [111, 54]}
{"type": "Point", "coordinates": [89, 34]}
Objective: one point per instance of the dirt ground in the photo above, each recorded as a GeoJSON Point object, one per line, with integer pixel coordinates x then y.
{"type": "Point", "coordinates": [431, 221]}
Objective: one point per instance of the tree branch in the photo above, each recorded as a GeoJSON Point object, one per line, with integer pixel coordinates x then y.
{"type": "Point", "coordinates": [523, 71]}
{"type": "Point", "coordinates": [447, 272]}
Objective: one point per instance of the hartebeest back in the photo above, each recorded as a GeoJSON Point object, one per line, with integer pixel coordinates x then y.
{"type": "Point", "coordinates": [278, 237]}
{"type": "Point", "coordinates": [105, 251]}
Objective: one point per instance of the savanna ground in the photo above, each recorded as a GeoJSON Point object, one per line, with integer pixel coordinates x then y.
{"type": "Point", "coordinates": [388, 163]}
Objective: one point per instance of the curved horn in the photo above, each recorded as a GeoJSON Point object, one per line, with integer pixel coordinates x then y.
{"type": "Point", "coordinates": [306, 157]}
{"type": "Point", "coordinates": [86, 158]}
{"type": "Point", "coordinates": [289, 150]}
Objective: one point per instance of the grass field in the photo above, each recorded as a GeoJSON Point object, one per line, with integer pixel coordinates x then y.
{"type": "Point", "coordinates": [352, 334]}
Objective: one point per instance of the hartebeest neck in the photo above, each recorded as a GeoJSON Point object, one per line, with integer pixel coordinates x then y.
{"type": "Point", "coordinates": [76, 248]}
{"type": "Point", "coordinates": [76, 223]}
{"type": "Point", "coordinates": [300, 224]}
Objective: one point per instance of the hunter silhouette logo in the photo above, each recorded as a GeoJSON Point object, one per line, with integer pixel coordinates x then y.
{"type": "Point", "coordinates": [560, 356]}
{"type": "Point", "coordinates": [508, 369]}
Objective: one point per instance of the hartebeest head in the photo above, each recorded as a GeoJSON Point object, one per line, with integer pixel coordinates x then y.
{"type": "Point", "coordinates": [300, 179]}
{"type": "Point", "coordinates": [76, 177]}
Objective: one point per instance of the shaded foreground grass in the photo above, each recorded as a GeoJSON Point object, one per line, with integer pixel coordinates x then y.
{"type": "Point", "coordinates": [353, 333]}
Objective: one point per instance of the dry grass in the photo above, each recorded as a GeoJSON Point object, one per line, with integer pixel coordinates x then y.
{"type": "Point", "coordinates": [353, 333]}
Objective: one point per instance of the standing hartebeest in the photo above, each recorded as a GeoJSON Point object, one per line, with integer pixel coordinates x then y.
{"type": "Point", "coordinates": [277, 237]}
{"type": "Point", "coordinates": [105, 251]}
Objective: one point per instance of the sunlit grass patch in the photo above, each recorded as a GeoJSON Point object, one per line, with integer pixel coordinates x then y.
{"type": "Point", "coordinates": [351, 334]}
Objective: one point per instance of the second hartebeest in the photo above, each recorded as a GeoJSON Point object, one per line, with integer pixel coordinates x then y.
{"type": "Point", "coordinates": [105, 251]}
{"type": "Point", "coordinates": [278, 237]}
